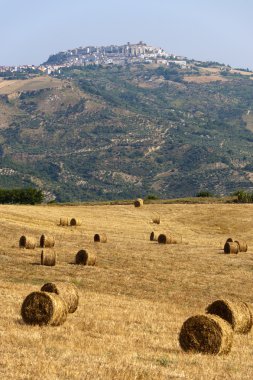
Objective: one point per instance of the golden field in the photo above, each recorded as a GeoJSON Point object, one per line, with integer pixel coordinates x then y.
{"type": "Point", "coordinates": [134, 301]}
{"type": "Point", "coordinates": [204, 78]}
{"type": "Point", "coordinates": [8, 87]}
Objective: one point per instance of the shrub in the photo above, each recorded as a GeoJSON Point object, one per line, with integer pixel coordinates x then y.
{"type": "Point", "coordinates": [21, 196]}
{"type": "Point", "coordinates": [244, 196]}
{"type": "Point", "coordinates": [151, 197]}
{"type": "Point", "coordinates": [204, 194]}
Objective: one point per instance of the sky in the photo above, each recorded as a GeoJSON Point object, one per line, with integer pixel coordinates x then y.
{"type": "Point", "coordinates": [207, 30]}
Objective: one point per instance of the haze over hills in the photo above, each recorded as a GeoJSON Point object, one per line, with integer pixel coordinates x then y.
{"type": "Point", "coordinates": [162, 125]}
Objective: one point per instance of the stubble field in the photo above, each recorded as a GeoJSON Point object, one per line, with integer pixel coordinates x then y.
{"type": "Point", "coordinates": [134, 301]}
{"type": "Point", "coordinates": [8, 87]}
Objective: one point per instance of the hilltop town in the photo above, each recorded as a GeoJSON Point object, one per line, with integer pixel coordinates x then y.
{"type": "Point", "coordinates": [115, 55]}
{"type": "Point", "coordinates": [103, 55]}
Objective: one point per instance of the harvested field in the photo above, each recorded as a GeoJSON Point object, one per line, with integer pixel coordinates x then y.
{"type": "Point", "coordinates": [210, 70]}
{"type": "Point", "coordinates": [8, 87]}
{"type": "Point", "coordinates": [134, 302]}
{"type": "Point", "coordinates": [241, 72]}
{"type": "Point", "coordinates": [205, 78]}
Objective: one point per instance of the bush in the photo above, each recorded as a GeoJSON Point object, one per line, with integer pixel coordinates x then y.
{"type": "Point", "coordinates": [243, 196]}
{"type": "Point", "coordinates": [204, 194]}
{"type": "Point", "coordinates": [21, 196]}
{"type": "Point", "coordinates": [151, 197]}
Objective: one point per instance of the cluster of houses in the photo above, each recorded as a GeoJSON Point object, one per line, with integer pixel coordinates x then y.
{"type": "Point", "coordinates": [117, 55]}
{"type": "Point", "coordinates": [18, 69]}
{"type": "Point", "coordinates": [103, 55]}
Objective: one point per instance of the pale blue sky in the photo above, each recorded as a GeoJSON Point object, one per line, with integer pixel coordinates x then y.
{"type": "Point", "coordinates": [218, 30]}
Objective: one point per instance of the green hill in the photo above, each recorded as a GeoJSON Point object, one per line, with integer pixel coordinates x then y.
{"type": "Point", "coordinates": [117, 132]}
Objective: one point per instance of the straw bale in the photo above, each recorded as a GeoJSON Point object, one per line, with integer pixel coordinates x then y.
{"type": "Point", "coordinates": [243, 246]}
{"type": "Point", "coordinates": [41, 308]}
{"type": "Point", "coordinates": [101, 238]}
{"type": "Point", "coordinates": [154, 236]}
{"type": "Point", "coordinates": [138, 202]}
{"type": "Point", "coordinates": [67, 291]}
{"type": "Point", "coordinates": [235, 312]}
{"type": "Point", "coordinates": [156, 219]}
{"type": "Point", "coordinates": [64, 221]}
{"type": "Point", "coordinates": [83, 257]}
{"type": "Point", "coordinates": [231, 247]}
{"type": "Point", "coordinates": [75, 222]}
{"type": "Point", "coordinates": [206, 334]}
{"type": "Point", "coordinates": [166, 239]}
{"type": "Point", "coordinates": [27, 242]}
{"type": "Point", "coordinates": [47, 241]}
{"type": "Point", "coordinates": [48, 258]}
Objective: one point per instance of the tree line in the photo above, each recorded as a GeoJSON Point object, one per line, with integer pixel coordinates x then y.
{"type": "Point", "coordinates": [21, 196]}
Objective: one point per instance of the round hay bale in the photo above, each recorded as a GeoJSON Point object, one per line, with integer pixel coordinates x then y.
{"type": "Point", "coordinates": [67, 291]}
{"type": "Point", "coordinates": [41, 308]}
{"type": "Point", "coordinates": [243, 246]}
{"type": "Point", "coordinates": [206, 334]}
{"type": "Point", "coordinates": [75, 222]}
{"type": "Point", "coordinates": [236, 313]}
{"type": "Point", "coordinates": [156, 219]}
{"type": "Point", "coordinates": [83, 257]}
{"type": "Point", "coordinates": [229, 240]}
{"type": "Point", "coordinates": [231, 247]}
{"type": "Point", "coordinates": [48, 258]}
{"type": "Point", "coordinates": [101, 238]}
{"type": "Point", "coordinates": [27, 242]}
{"type": "Point", "coordinates": [47, 241]}
{"type": "Point", "coordinates": [154, 236]}
{"type": "Point", "coordinates": [138, 202]}
{"type": "Point", "coordinates": [64, 221]}
{"type": "Point", "coordinates": [166, 239]}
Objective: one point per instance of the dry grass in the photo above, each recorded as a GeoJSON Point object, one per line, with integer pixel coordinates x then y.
{"type": "Point", "coordinates": [246, 73]}
{"type": "Point", "coordinates": [134, 301]}
{"type": "Point", "coordinates": [205, 78]}
{"type": "Point", "coordinates": [8, 87]}
{"type": "Point", "coordinates": [210, 70]}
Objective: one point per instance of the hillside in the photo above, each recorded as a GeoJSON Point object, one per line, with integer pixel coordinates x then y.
{"type": "Point", "coordinates": [134, 301]}
{"type": "Point", "coordinates": [113, 132]}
